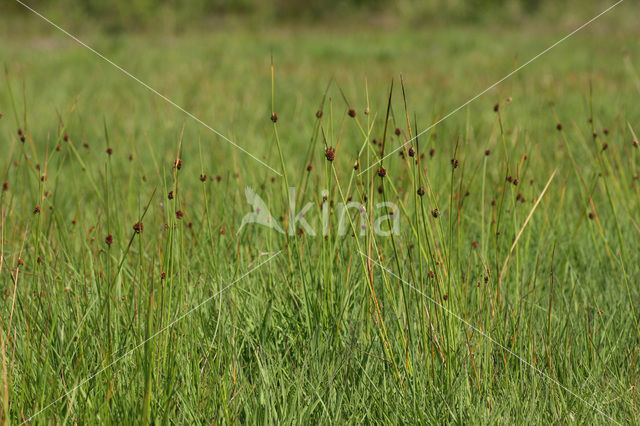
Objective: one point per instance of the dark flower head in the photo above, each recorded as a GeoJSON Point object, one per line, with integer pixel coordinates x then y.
{"type": "Point", "coordinates": [496, 107]}
{"type": "Point", "coordinates": [352, 113]}
{"type": "Point", "coordinates": [398, 132]}
{"type": "Point", "coordinates": [170, 195]}
{"type": "Point", "coordinates": [559, 126]}
{"type": "Point", "coordinates": [109, 239]}
{"type": "Point", "coordinates": [178, 164]}
{"type": "Point", "coordinates": [330, 154]}
{"type": "Point", "coordinates": [36, 210]}
{"type": "Point", "coordinates": [435, 213]}
{"type": "Point", "coordinates": [382, 172]}
{"type": "Point", "coordinates": [109, 151]}
{"type": "Point", "coordinates": [421, 191]}
{"type": "Point", "coordinates": [412, 152]}
{"type": "Point", "coordinates": [138, 227]}
{"type": "Point", "coordinates": [487, 152]}
{"type": "Point", "coordinates": [274, 117]}
{"type": "Point", "coordinates": [319, 113]}
{"type": "Point", "coordinates": [179, 214]}
{"type": "Point", "coordinates": [203, 178]}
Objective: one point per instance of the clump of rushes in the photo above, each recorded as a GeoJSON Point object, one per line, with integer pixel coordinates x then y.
{"type": "Point", "coordinates": [109, 239]}
{"type": "Point", "coordinates": [138, 227]}
{"type": "Point", "coordinates": [170, 195]}
{"type": "Point", "coordinates": [179, 214]}
{"type": "Point", "coordinates": [330, 154]}
{"type": "Point", "coordinates": [382, 172]}
{"type": "Point", "coordinates": [435, 213]}
{"type": "Point", "coordinates": [352, 113]}
{"type": "Point", "coordinates": [203, 177]}
{"type": "Point", "coordinates": [274, 117]}
{"type": "Point", "coordinates": [421, 191]}
{"type": "Point", "coordinates": [36, 210]}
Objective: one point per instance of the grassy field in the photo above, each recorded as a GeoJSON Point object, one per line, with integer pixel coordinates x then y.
{"type": "Point", "coordinates": [508, 295]}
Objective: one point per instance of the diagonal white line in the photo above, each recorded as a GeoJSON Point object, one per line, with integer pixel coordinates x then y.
{"type": "Point", "coordinates": [151, 337]}
{"type": "Point", "coordinates": [492, 340]}
{"type": "Point", "coordinates": [494, 85]}
{"type": "Point", "coordinates": [127, 73]}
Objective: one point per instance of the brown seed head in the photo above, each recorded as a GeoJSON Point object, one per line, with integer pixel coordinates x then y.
{"type": "Point", "coordinates": [382, 172]}
{"type": "Point", "coordinates": [179, 214]}
{"type": "Point", "coordinates": [329, 154]}
{"type": "Point", "coordinates": [138, 227]}
{"type": "Point", "coordinates": [412, 152]}
{"type": "Point", "coordinates": [352, 113]}
{"type": "Point", "coordinates": [420, 191]}
{"type": "Point", "coordinates": [36, 210]}
{"type": "Point", "coordinates": [435, 213]}
{"type": "Point", "coordinates": [319, 113]}
{"type": "Point", "coordinates": [274, 117]}
{"type": "Point", "coordinates": [203, 178]}
{"type": "Point", "coordinates": [109, 239]}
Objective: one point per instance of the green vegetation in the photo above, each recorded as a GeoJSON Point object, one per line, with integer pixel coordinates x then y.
{"type": "Point", "coordinates": [498, 310]}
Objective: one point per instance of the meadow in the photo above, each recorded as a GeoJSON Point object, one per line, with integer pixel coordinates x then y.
{"type": "Point", "coordinates": [508, 295]}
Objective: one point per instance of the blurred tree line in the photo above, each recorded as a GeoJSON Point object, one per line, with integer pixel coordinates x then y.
{"type": "Point", "coordinates": [123, 15]}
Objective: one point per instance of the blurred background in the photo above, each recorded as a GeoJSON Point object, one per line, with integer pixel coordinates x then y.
{"type": "Point", "coordinates": [178, 16]}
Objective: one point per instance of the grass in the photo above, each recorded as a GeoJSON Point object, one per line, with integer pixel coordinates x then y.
{"type": "Point", "coordinates": [517, 302]}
